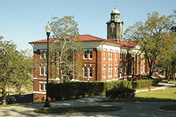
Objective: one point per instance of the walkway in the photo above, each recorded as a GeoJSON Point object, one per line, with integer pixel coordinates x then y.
{"type": "Point", "coordinates": [129, 109]}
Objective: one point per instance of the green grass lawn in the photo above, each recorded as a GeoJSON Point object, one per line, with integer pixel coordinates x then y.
{"type": "Point", "coordinates": [172, 81]}
{"type": "Point", "coordinates": [167, 94]}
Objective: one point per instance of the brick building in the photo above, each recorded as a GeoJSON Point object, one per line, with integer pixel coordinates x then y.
{"type": "Point", "coordinates": [103, 59]}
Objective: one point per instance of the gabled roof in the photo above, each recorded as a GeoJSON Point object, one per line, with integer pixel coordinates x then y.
{"type": "Point", "coordinates": [90, 38]}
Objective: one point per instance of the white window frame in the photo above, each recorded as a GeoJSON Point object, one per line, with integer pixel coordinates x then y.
{"type": "Point", "coordinates": [41, 73]}
{"type": "Point", "coordinates": [104, 54]}
{"type": "Point", "coordinates": [111, 70]}
{"type": "Point", "coordinates": [85, 50]}
{"type": "Point", "coordinates": [116, 55]}
{"type": "Point", "coordinates": [115, 71]}
{"type": "Point", "coordinates": [111, 54]}
{"type": "Point", "coordinates": [91, 50]}
{"type": "Point", "coordinates": [84, 72]}
{"type": "Point", "coordinates": [90, 72]}
{"type": "Point", "coordinates": [45, 72]}
{"type": "Point", "coordinates": [41, 54]}
{"type": "Point", "coordinates": [104, 72]}
{"type": "Point", "coordinates": [41, 87]}
{"type": "Point", "coordinates": [45, 53]}
{"type": "Point", "coordinates": [44, 86]}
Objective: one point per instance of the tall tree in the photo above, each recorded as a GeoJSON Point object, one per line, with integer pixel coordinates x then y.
{"type": "Point", "coordinates": [64, 47]}
{"type": "Point", "coordinates": [168, 62]}
{"type": "Point", "coordinates": [151, 36]}
{"type": "Point", "coordinates": [15, 68]}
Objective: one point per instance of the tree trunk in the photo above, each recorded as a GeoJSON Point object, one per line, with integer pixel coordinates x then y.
{"type": "Point", "coordinates": [173, 75]}
{"type": "Point", "coordinates": [166, 74]}
{"type": "Point", "coordinates": [150, 62]}
{"type": "Point", "coordinates": [4, 96]}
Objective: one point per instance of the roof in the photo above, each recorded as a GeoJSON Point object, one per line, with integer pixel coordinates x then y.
{"type": "Point", "coordinates": [115, 11]}
{"type": "Point", "coordinates": [90, 38]}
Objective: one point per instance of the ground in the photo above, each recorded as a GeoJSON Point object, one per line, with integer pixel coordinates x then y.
{"type": "Point", "coordinates": [129, 109]}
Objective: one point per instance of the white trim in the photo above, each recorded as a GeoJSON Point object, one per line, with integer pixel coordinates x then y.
{"type": "Point", "coordinates": [111, 47]}
{"type": "Point", "coordinates": [38, 92]}
{"type": "Point", "coordinates": [42, 82]}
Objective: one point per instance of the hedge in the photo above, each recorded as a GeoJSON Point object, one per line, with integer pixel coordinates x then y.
{"type": "Point", "coordinates": [69, 90]}
{"type": "Point", "coordinates": [120, 92]}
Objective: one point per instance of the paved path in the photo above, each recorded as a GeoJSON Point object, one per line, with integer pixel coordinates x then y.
{"type": "Point", "coordinates": [129, 109]}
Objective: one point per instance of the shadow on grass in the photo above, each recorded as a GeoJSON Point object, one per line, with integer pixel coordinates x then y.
{"type": "Point", "coordinates": [78, 109]}
{"type": "Point", "coordinates": [137, 99]}
{"type": "Point", "coordinates": [169, 107]}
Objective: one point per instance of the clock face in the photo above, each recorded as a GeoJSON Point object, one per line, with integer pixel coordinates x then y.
{"type": "Point", "coordinates": [112, 25]}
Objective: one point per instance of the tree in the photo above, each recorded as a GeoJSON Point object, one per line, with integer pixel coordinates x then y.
{"type": "Point", "coordinates": [15, 68]}
{"type": "Point", "coordinates": [169, 62]}
{"type": "Point", "coordinates": [65, 48]}
{"type": "Point", "coordinates": [152, 36]}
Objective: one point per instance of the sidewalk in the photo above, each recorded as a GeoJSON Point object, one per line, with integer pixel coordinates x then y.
{"type": "Point", "coordinates": [138, 91]}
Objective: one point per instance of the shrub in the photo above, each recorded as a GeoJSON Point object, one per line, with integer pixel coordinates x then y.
{"type": "Point", "coordinates": [155, 82]}
{"type": "Point", "coordinates": [120, 92]}
{"type": "Point", "coordinates": [11, 100]}
{"type": "Point", "coordinates": [77, 89]}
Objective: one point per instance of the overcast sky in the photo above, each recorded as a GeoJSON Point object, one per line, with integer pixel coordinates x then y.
{"type": "Point", "coordinates": [23, 21]}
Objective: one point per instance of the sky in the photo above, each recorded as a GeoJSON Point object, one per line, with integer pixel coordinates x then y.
{"type": "Point", "coordinates": [23, 21]}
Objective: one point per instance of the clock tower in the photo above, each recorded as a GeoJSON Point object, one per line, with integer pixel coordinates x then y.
{"type": "Point", "coordinates": [115, 26]}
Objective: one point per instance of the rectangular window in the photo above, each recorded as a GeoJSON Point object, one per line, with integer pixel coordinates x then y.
{"type": "Point", "coordinates": [45, 54]}
{"type": "Point", "coordinates": [115, 71]}
{"type": "Point", "coordinates": [85, 71]}
{"type": "Point", "coordinates": [121, 56]}
{"type": "Point", "coordinates": [90, 54]}
{"type": "Point", "coordinates": [109, 55]}
{"type": "Point", "coordinates": [90, 72]}
{"type": "Point", "coordinates": [41, 86]}
{"type": "Point", "coordinates": [44, 87]}
{"type": "Point", "coordinates": [109, 71]}
{"type": "Point", "coordinates": [85, 54]}
{"type": "Point", "coordinates": [104, 72]}
{"type": "Point", "coordinates": [104, 54]}
{"type": "Point", "coordinates": [41, 71]}
{"type": "Point", "coordinates": [124, 56]}
{"type": "Point", "coordinates": [41, 54]}
{"type": "Point", "coordinates": [45, 71]}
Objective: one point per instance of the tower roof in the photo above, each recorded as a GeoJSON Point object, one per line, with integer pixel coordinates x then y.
{"type": "Point", "coordinates": [115, 11]}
